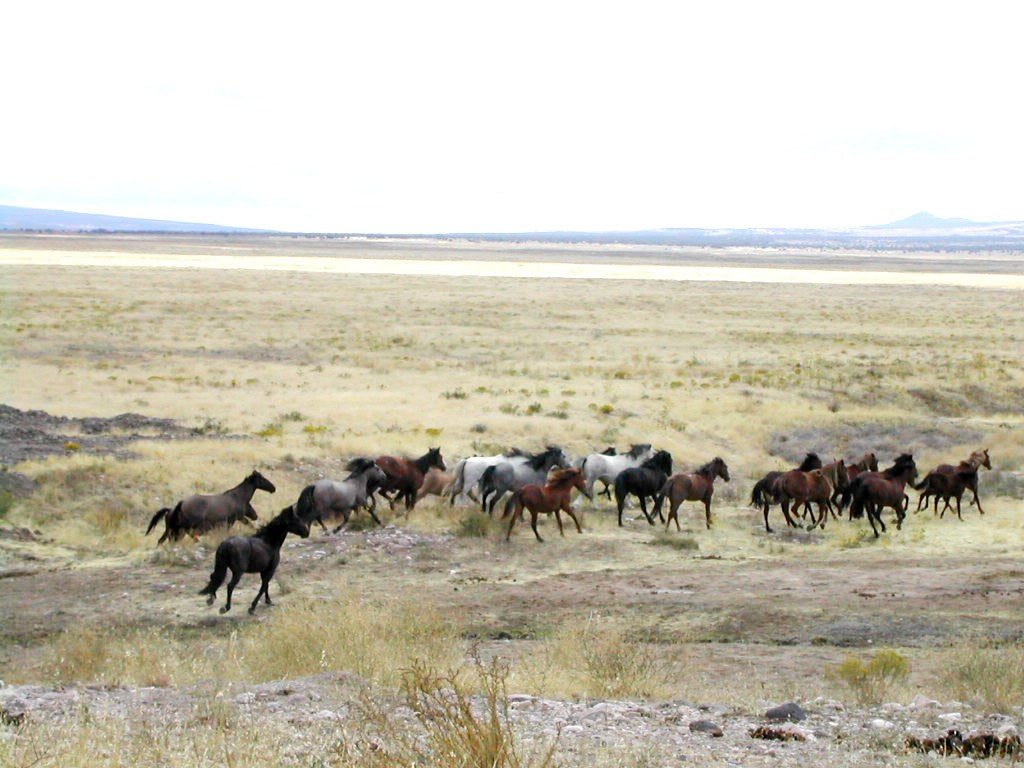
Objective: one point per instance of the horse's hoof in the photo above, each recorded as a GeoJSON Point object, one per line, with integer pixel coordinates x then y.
{"type": "Point", "coordinates": [224, 609]}
{"type": "Point", "coordinates": [209, 600]}
{"type": "Point", "coordinates": [252, 611]}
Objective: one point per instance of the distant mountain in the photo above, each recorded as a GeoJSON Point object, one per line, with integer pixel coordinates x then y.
{"type": "Point", "coordinates": [42, 220]}
{"type": "Point", "coordinates": [924, 220]}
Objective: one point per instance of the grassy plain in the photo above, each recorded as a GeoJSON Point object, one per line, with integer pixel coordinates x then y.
{"type": "Point", "coordinates": [295, 372]}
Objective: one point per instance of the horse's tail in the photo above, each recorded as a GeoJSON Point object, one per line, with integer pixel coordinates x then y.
{"type": "Point", "coordinates": [660, 497]}
{"type": "Point", "coordinates": [514, 502]}
{"type": "Point", "coordinates": [924, 483]}
{"type": "Point", "coordinates": [485, 486]}
{"type": "Point", "coordinates": [757, 495]}
{"type": "Point", "coordinates": [304, 508]}
{"type": "Point", "coordinates": [857, 493]}
{"type": "Point", "coordinates": [156, 519]}
{"type": "Point", "coordinates": [458, 483]}
{"type": "Point", "coordinates": [220, 569]}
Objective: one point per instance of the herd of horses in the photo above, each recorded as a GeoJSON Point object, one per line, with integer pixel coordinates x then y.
{"type": "Point", "coordinates": [542, 483]}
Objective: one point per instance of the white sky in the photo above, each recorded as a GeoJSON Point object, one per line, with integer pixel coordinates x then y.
{"type": "Point", "coordinates": [438, 116]}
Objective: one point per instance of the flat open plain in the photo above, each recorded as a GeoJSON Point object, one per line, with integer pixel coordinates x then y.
{"type": "Point", "coordinates": [294, 355]}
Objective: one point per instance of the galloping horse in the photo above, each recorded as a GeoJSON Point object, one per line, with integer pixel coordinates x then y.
{"type": "Point", "coordinates": [436, 482]}
{"type": "Point", "coordinates": [512, 475]}
{"type": "Point", "coordinates": [554, 496]}
{"type": "Point", "coordinates": [467, 472]}
{"type": "Point", "coordinates": [329, 498]}
{"type": "Point", "coordinates": [761, 495]}
{"type": "Point", "coordinates": [866, 463]}
{"type": "Point", "coordinates": [251, 554]}
{"type": "Point", "coordinates": [606, 467]}
{"type": "Point", "coordinates": [944, 479]}
{"type": "Point", "coordinates": [805, 488]}
{"type": "Point", "coordinates": [643, 481]}
{"type": "Point", "coordinates": [198, 514]}
{"type": "Point", "coordinates": [695, 486]}
{"type": "Point", "coordinates": [406, 476]}
{"type": "Point", "coordinates": [874, 491]}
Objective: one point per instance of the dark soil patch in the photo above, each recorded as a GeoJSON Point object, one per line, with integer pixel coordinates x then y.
{"type": "Point", "coordinates": [28, 435]}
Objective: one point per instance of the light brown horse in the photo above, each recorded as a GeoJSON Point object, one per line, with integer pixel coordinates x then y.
{"type": "Point", "coordinates": [835, 473]}
{"type": "Point", "coordinates": [947, 481]}
{"type": "Point", "coordinates": [437, 482]}
{"type": "Point", "coordinates": [692, 486]}
{"type": "Point", "coordinates": [554, 496]}
{"type": "Point", "coordinates": [804, 488]}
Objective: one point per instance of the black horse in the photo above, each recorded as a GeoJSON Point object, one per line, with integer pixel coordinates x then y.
{"type": "Point", "coordinates": [259, 553]}
{"type": "Point", "coordinates": [643, 481]}
{"type": "Point", "coordinates": [198, 514]}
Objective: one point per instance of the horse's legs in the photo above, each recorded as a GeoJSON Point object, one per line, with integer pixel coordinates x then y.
{"type": "Point", "coordinates": [643, 508]}
{"type": "Point", "coordinates": [707, 514]}
{"type": "Point", "coordinates": [235, 577]}
{"type": "Point", "coordinates": [570, 513]}
{"type": "Point", "coordinates": [785, 512]}
{"type": "Point", "coordinates": [558, 519]}
{"type": "Point", "coordinates": [977, 501]}
{"type": "Point", "coordinates": [264, 584]}
{"type": "Point", "coordinates": [494, 502]}
{"type": "Point", "coordinates": [958, 508]}
{"type": "Point", "coordinates": [374, 516]}
{"type": "Point", "coordinates": [871, 518]}
{"type": "Point", "coordinates": [766, 526]}
{"type": "Point", "coordinates": [517, 510]}
{"type": "Point", "coordinates": [533, 524]}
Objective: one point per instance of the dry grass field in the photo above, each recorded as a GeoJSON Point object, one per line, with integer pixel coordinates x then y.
{"type": "Point", "coordinates": [295, 372]}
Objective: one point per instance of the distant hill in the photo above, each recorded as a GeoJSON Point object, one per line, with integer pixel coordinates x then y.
{"type": "Point", "coordinates": [924, 220]}
{"type": "Point", "coordinates": [43, 220]}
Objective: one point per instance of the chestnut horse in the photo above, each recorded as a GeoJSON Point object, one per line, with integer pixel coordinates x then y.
{"type": "Point", "coordinates": [405, 476]}
{"type": "Point", "coordinates": [761, 495]}
{"type": "Point", "coordinates": [866, 463]}
{"type": "Point", "coordinates": [872, 492]}
{"type": "Point", "coordinates": [692, 486]}
{"type": "Point", "coordinates": [944, 481]}
{"type": "Point", "coordinates": [805, 488]}
{"type": "Point", "coordinates": [436, 482]}
{"type": "Point", "coordinates": [554, 496]}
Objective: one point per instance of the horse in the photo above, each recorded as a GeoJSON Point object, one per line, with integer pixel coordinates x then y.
{"type": "Point", "coordinates": [436, 482]}
{"type": "Point", "coordinates": [606, 467]}
{"type": "Point", "coordinates": [498, 479]}
{"type": "Point", "coordinates": [874, 491]}
{"type": "Point", "coordinates": [643, 481]}
{"type": "Point", "coordinates": [761, 495]}
{"type": "Point", "coordinates": [553, 496]}
{"type": "Point", "coordinates": [467, 472]}
{"type": "Point", "coordinates": [804, 488]}
{"type": "Point", "coordinates": [693, 486]}
{"type": "Point", "coordinates": [866, 463]}
{"type": "Point", "coordinates": [406, 476]}
{"type": "Point", "coordinates": [259, 553]}
{"type": "Point", "coordinates": [329, 498]}
{"type": "Point", "coordinates": [944, 479]}
{"type": "Point", "coordinates": [198, 514]}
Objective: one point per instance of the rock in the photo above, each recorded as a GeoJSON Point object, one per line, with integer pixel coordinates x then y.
{"type": "Point", "coordinates": [922, 702]}
{"type": "Point", "coordinates": [705, 726]}
{"type": "Point", "coordinates": [516, 698]}
{"type": "Point", "coordinates": [882, 725]}
{"type": "Point", "coordinates": [951, 717]}
{"type": "Point", "coordinates": [790, 711]}
{"type": "Point", "coordinates": [1008, 731]}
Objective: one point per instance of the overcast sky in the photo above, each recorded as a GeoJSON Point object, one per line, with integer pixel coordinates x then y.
{"type": "Point", "coordinates": [438, 116]}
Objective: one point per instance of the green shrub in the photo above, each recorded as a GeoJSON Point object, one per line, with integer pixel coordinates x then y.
{"type": "Point", "coordinates": [870, 682]}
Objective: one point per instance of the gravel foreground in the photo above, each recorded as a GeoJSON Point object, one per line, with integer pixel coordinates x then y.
{"type": "Point", "coordinates": [312, 712]}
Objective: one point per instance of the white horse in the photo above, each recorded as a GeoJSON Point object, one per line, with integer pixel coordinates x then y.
{"type": "Point", "coordinates": [601, 466]}
{"type": "Point", "coordinates": [468, 471]}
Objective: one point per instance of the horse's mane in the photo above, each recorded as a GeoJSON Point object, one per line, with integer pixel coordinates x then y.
{"type": "Point", "coordinates": [515, 452]}
{"type": "Point", "coordinates": [538, 460]}
{"type": "Point", "coordinates": [274, 524]}
{"type": "Point", "coordinates": [661, 461]}
{"type": "Point", "coordinates": [358, 465]}
{"type": "Point", "coordinates": [425, 462]}
{"type": "Point", "coordinates": [610, 451]}
{"type": "Point", "coordinates": [709, 469]}
{"type": "Point", "coordinates": [903, 461]}
{"type": "Point", "coordinates": [811, 461]}
{"type": "Point", "coordinates": [558, 476]}
{"type": "Point", "coordinates": [637, 449]}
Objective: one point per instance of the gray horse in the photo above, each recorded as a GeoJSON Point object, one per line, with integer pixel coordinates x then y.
{"type": "Point", "coordinates": [604, 467]}
{"type": "Point", "coordinates": [467, 472]}
{"type": "Point", "coordinates": [513, 474]}
{"type": "Point", "coordinates": [330, 498]}
{"type": "Point", "coordinates": [198, 514]}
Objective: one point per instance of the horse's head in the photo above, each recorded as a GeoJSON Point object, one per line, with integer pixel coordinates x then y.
{"type": "Point", "coordinates": [811, 461]}
{"type": "Point", "coordinates": [436, 459]}
{"type": "Point", "coordinates": [980, 459]}
{"type": "Point", "coordinates": [842, 476]}
{"type": "Point", "coordinates": [609, 451]}
{"type": "Point", "coordinates": [359, 464]}
{"type": "Point", "coordinates": [293, 523]}
{"type": "Point", "coordinates": [660, 462]}
{"type": "Point", "coordinates": [260, 482]}
{"type": "Point", "coordinates": [721, 469]}
{"type": "Point", "coordinates": [870, 461]}
{"type": "Point", "coordinates": [641, 451]}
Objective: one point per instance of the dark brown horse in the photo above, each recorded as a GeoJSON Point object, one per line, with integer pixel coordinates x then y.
{"type": "Point", "coordinates": [874, 491]}
{"type": "Point", "coordinates": [761, 495]}
{"type": "Point", "coordinates": [692, 486]}
{"type": "Point", "coordinates": [198, 514]}
{"type": "Point", "coordinates": [866, 463]}
{"type": "Point", "coordinates": [553, 496]}
{"type": "Point", "coordinates": [405, 476]}
{"type": "Point", "coordinates": [259, 553]}
{"type": "Point", "coordinates": [947, 481]}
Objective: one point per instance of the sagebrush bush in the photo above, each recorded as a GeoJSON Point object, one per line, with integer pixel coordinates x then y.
{"type": "Point", "coordinates": [992, 678]}
{"type": "Point", "coordinates": [871, 681]}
